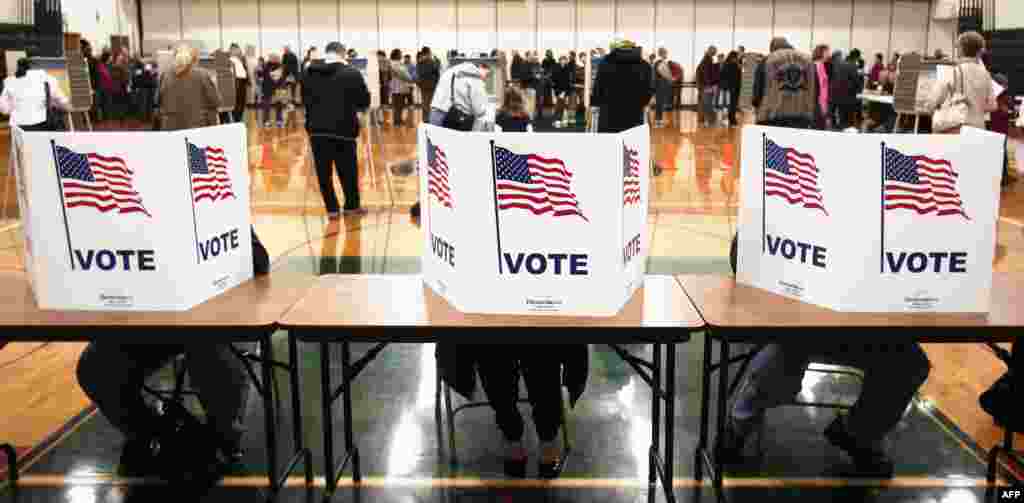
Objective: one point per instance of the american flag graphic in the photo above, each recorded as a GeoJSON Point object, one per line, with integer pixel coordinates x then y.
{"type": "Point", "coordinates": [535, 184]}
{"type": "Point", "coordinates": [437, 174]}
{"type": "Point", "coordinates": [921, 184]}
{"type": "Point", "coordinates": [793, 176]}
{"type": "Point", "coordinates": [630, 176]}
{"type": "Point", "coordinates": [209, 169]}
{"type": "Point", "coordinates": [96, 181]}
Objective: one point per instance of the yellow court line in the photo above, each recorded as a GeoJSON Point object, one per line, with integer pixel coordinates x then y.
{"type": "Point", "coordinates": [561, 483]}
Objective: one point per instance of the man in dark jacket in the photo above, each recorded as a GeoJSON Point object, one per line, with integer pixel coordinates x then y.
{"type": "Point", "coordinates": [291, 69]}
{"type": "Point", "coordinates": [335, 93]}
{"type": "Point", "coordinates": [428, 72]}
{"type": "Point", "coordinates": [846, 85]}
{"type": "Point", "coordinates": [624, 88]}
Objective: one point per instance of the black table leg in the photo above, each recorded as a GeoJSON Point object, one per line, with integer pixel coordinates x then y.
{"type": "Point", "coordinates": [670, 420]}
{"type": "Point", "coordinates": [723, 398]}
{"type": "Point", "coordinates": [267, 355]}
{"type": "Point", "coordinates": [12, 462]}
{"type": "Point", "coordinates": [653, 470]}
{"type": "Point", "coordinates": [326, 402]}
{"type": "Point", "coordinates": [353, 451]}
{"type": "Point", "coordinates": [297, 424]}
{"type": "Point", "coordinates": [705, 406]}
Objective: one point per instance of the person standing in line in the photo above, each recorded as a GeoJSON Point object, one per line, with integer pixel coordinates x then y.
{"type": "Point", "coordinates": [662, 86]}
{"type": "Point", "coordinates": [335, 93]}
{"type": "Point", "coordinates": [291, 71]}
{"type": "Point", "coordinates": [821, 62]}
{"type": "Point", "coordinates": [428, 72]}
{"type": "Point", "coordinates": [241, 82]}
{"type": "Point", "coordinates": [844, 87]}
{"type": "Point", "coordinates": [970, 76]}
{"type": "Point", "coordinates": [786, 88]}
{"type": "Point", "coordinates": [624, 88]}
{"type": "Point", "coordinates": [708, 76]}
{"type": "Point", "coordinates": [24, 97]}
{"type": "Point", "coordinates": [400, 87]}
{"type": "Point", "coordinates": [312, 54]}
{"type": "Point", "coordinates": [274, 90]}
{"type": "Point", "coordinates": [875, 75]}
{"type": "Point", "coordinates": [731, 81]}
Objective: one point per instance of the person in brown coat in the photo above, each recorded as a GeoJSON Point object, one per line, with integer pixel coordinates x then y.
{"type": "Point", "coordinates": [188, 96]}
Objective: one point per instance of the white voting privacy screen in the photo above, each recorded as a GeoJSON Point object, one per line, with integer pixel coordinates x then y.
{"type": "Point", "coordinates": [520, 223]}
{"type": "Point", "coordinates": [134, 221]}
{"type": "Point", "coordinates": [870, 223]}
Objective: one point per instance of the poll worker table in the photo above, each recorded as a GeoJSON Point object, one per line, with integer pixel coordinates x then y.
{"type": "Point", "coordinates": [246, 313]}
{"type": "Point", "coordinates": [389, 309]}
{"type": "Point", "coordinates": [737, 313]}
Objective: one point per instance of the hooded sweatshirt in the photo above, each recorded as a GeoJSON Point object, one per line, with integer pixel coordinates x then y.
{"type": "Point", "coordinates": [624, 88]}
{"type": "Point", "coordinates": [334, 93]}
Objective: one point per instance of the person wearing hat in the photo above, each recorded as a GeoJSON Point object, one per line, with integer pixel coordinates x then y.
{"type": "Point", "coordinates": [335, 93]}
{"type": "Point", "coordinates": [624, 87]}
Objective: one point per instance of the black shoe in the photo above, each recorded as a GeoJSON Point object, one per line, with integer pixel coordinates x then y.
{"type": "Point", "coordinates": [869, 460]}
{"type": "Point", "coordinates": [550, 470]}
{"type": "Point", "coordinates": [1000, 402]}
{"type": "Point", "coordinates": [729, 448]}
{"type": "Point", "coordinates": [138, 457]}
{"type": "Point", "coordinates": [515, 468]}
{"type": "Point", "coordinates": [415, 210]}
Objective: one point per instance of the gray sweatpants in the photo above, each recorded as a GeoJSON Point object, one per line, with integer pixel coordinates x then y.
{"type": "Point", "coordinates": [892, 375]}
{"type": "Point", "coordinates": [112, 375]}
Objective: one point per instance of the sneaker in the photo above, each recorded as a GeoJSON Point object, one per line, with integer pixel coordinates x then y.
{"type": "Point", "coordinates": [268, 125]}
{"type": "Point", "coordinates": [333, 215]}
{"type": "Point", "coordinates": [869, 460]}
{"type": "Point", "coordinates": [280, 124]}
{"type": "Point", "coordinates": [729, 449]}
{"type": "Point", "coordinates": [355, 212]}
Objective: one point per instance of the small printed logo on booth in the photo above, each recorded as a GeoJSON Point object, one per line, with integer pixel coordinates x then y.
{"type": "Point", "coordinates": [116, 300]}
{"type": "Point", "coordinates": [920, 300]}
{"type": "Point", "coordinates": [542, 304]}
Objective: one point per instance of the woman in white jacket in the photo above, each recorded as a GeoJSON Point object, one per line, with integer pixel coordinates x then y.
{"type": "Point", "coordinates": [24, 97]}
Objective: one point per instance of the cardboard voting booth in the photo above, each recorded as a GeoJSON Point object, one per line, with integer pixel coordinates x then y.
{"type": "Point", "coordinates": [870, 223]}
{"type": "Point", "coordinates": [135, 220]}
{"type": "Point", "coordinates": [519, 223]}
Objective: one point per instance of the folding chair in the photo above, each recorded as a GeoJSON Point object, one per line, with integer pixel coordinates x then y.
{"type": "Point", "coordinates": [444, 391]}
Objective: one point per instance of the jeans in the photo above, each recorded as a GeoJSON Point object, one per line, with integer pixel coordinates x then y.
{"type": "Point", "coordinates": [707, 106]}
{"type": "Point", "coordinates": [278, 107]}
{"type": "Point", "coordinates": [336, 154]}
{"type": "Point", "coordinates": [663, 98]}
{"type": "Point", "coordinates": [112, 376]}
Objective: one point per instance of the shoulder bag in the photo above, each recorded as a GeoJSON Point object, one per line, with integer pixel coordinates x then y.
{"type": "Point", "coordinates": [54, 117]}
{"type": "Point", "coordinates": [457, 119]}
{"type": "Point", "coordinates": [953, 112]}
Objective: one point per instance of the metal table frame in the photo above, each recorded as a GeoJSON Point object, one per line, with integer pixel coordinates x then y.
{"type": "Point", "coordinates": [662, 386]}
